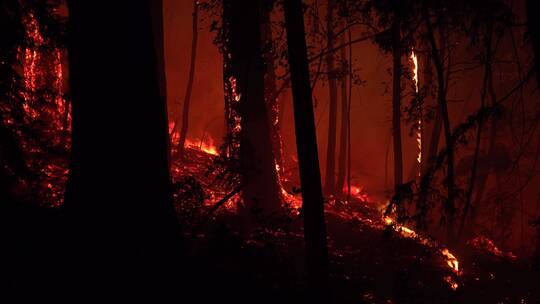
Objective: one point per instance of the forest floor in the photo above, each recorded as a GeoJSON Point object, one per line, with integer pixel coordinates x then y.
{"type": "Point", "coordinates": [372, 259]}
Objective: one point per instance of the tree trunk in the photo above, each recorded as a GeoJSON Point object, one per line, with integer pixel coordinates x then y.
{"type": "Point", "coordinates": [308, 160]}
{"type": "Point", "coordinates": [483, 174]}
{"type": "Point", "coordinates": [441, 99]}
{"type": "Point", "coordinates": [396, 101]}
{"type": "Point", "coordinates": [342, 158]}
{"type": "Point", "coordinates": [533, 25]}
{"type": "Point", "coordinates": [273, 109]}
{"type": "Point", "coordinates": [261, 193]}
{"type": "Point", "coordinates": [349, 102]}
{"type": "Point", "coordinates": [330, 180]}
{"type": "Point", "coordinates": [433, 148]}
{"type": "Point", "coordinates": [187, 97]}
{"type": "Point", "coordinates": [474, 169]}
{"type": "Point", "coordinates": [118, 204]}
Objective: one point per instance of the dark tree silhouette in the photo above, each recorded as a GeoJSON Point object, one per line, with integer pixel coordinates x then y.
{"type": "Point", "coordinates": [121, 222]}
{"type": "Point", "coordinates": [483, 95]}
{"type": "Point", "coordinates": [261, 192]}
{"type": "Point", "coordinates": [533, 25]}
{"type": "Point", "coordinates": [189, 88]}
{"type": "Point", "coordinates": [271, 93]}
{"type": "Point", "coordinates": [344, 128]}
{"type": "Point", "coordinates": [330, 175]}
{"type": "Point", "coordinates": [308, 160]}
{"type": "Point", "coordinates": [396, 99]}
{"type": "Point", "coordinates": [443, 108]}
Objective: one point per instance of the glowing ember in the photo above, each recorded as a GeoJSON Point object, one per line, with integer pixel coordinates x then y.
{"type": "Point", "coordinates": [453, 285]}
{"type": "Point", "coordinates": [357, 192]}
{"type": "Point", "coordinates": [236, 96]}
{"type": "Point", "coordinates": [451, 260]}
{"type": "Point", "coordinates": [482, 243]}
{"type": "Point", "coordinates": [404, 231]}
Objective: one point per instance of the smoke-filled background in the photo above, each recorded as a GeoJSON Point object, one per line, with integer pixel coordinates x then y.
{"type": "Point", "coordinates": [371, 109]}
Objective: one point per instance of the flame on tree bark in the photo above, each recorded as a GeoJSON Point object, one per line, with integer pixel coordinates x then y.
{"type": "Point", "coordinates": [330, 180]}
{"type": "Point", "coordinates": [432, 148]}
{"type": "Point", "coordinates": [261, 192]}
{"type": "Point", "coordinates": [308, 160]}
{"type": "Point", "coordinates": [118, 202]}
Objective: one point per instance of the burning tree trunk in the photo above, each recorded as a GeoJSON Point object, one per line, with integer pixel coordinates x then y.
{"type": "Point", "coordinates": [308, 160]}
{"type": "Point", "coordinates": [396, 101]}
{"type": "Point", "coordinates": [330, 180]}
{"type": "Point", "coordinates": [261, 192]}
{"type": "Point", "coordinates": [441, 99]}
{"type": "Point", "coordinates": [118, 200]}
{"type": "Point", "coordinates": [343, 138]}
{"type": "Point", "coordinates": [187, 97]}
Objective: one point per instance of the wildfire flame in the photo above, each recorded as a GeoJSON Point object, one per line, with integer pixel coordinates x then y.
{"type": "Point", "coordinates": [451, 260]}
{"type": "Point", "coordinates": [35, 72]}
{"type": "Point", "coordinates": [414, 60]}
{"type": "Point", "coordinates": [358, 192]}
{"type": "Point", "coordinates": [205, 145]}
{"type": "Point", "coordinates": [236, 96]}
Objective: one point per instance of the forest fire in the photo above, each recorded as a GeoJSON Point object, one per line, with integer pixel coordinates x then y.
{"type": "Point", "coordinates": [451, 260]}
{"type": "Point", "coordinates": [414, 60]}
{"type": "Point", "coordinates": [206, 145]}
{"type": "Point", "coordinates": [333, 151]}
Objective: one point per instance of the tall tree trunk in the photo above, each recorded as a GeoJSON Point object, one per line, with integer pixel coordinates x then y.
{"type": "Point", "coordinates": [483, 93]}
{"type": "Point", "coordinates": [533, 25]}
{"type": "Point", "coordinates": [433, 148]}
{"type": "Point", "coordinates": [118, 203]}
{"type": "Point", "coordinates": [396, 101]}
{"type": "Point", "coordinates": [261, 193]}
{"type": "Point", "coordinates": [330, 180]}
{"type": "Point", "coordinates": [483, 172]}
{"type": "Point", "coordinates": [308, 160]}
{"type": "Point", "coordinates": [349, 102]}
{"type": "Point", "coordinates": [271, 97]}
{"type": "Point", "coordinates": [441, 98]}
{"type": "Point", "coordinates": [187, 97]}
{"type": "Point", "coordinates": [342, 158]}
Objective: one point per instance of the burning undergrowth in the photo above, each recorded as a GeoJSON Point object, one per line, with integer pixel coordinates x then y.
{"type": "Point", "coordinates": [373, 258]}
{"type": "Point", "coordinates": [397, 263]}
